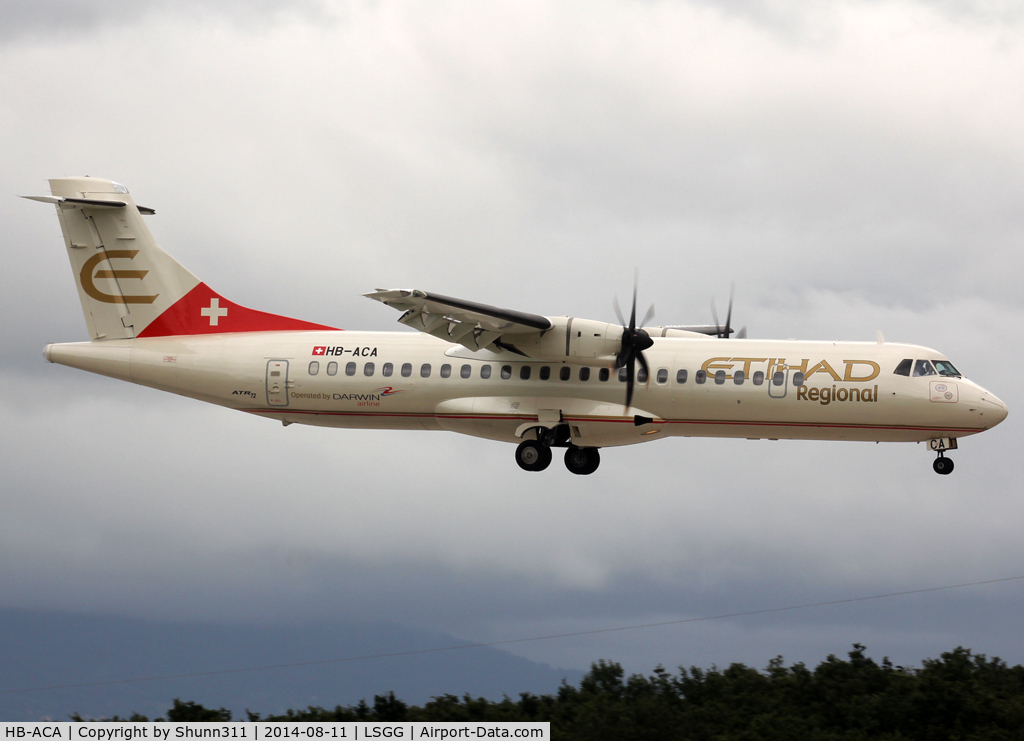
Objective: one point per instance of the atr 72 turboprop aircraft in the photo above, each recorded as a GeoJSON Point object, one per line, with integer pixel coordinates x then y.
{"type": "Point", "coordinates": [537, 381]}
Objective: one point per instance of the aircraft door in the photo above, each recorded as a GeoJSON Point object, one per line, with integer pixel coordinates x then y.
{"type": "Point", "coordinates": [277, 383]}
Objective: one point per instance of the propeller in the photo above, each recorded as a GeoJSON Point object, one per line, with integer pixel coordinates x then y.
{"type": "Point", "coordinates": [726, 331]}
{"type": "Point", "coordinates": [634, 341]}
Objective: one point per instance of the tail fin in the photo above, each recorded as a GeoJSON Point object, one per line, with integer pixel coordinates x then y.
{"type": "Point", "coordinates": [128, 286]}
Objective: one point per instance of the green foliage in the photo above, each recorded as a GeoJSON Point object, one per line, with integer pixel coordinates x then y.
{"type": "Point", "coordinates": [957, 697]}
{"type": "Point", "coordinates": [192, 712]}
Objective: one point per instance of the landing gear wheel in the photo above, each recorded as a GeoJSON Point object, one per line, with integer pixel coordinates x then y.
{"type": "Point", "coordinates": [943, 465]}
{"type": "Point", "coordinates": [582, 461]}
{"type": "Point", "coordinates": [533, 456]}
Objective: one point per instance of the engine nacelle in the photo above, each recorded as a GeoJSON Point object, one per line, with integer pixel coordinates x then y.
{"type": "Point", "coordinates": [705, 331]}
{"type": "Point", "coordinates": [573, 340]}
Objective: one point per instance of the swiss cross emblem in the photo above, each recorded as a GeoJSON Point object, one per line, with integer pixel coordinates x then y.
{"type": "Point", "coordinates": [319, 350]}
{"type": "Point", "coordinates": [215, 311]}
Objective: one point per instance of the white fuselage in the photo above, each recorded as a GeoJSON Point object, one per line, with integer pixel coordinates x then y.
{"type": "Point", "coordinates": [749, 387]}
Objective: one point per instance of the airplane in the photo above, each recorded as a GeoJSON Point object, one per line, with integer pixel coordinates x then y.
{"type": "Point", "coordinates": [535, 381]}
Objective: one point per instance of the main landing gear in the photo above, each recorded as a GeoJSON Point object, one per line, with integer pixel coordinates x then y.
{"type": "Point", "coordinates": [943, 465]}
{"type": "Point", "coordinates": [534, 455]}
{"type": "Point", "coordinates": [582, 461]}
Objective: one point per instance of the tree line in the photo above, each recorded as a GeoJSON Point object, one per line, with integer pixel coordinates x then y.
{"type": "Point", "coordinates": [961, 696]}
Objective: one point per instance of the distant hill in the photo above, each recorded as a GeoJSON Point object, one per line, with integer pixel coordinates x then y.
{"type": "Point", "coordinates": [43, 649]}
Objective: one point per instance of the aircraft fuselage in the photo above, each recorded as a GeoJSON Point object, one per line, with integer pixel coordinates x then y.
{"type": "Point", "coordinates": [730, 388]}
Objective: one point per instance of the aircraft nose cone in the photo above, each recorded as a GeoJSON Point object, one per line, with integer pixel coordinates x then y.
{"type": "Point", "coordinates": [994, 407]}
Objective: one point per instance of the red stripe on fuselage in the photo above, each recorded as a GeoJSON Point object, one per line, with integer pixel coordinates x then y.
{"type": "Point", "coordinates": [626, 420]}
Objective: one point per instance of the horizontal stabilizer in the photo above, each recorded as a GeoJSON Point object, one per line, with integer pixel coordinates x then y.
{"type": "Point", "coordinates": [90, 202]}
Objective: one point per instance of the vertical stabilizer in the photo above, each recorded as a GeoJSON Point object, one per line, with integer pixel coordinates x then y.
{"type": "Point", "coordinates": [128, 286]}
{"type": "Point", "coordinates": [124, 279]}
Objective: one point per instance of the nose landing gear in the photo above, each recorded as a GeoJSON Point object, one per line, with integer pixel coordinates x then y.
{"type": "Point", "coordinates": [943, 465]}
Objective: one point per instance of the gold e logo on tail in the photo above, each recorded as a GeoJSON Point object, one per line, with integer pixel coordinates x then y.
{"type": "Point", "coordinates": [89, 274]}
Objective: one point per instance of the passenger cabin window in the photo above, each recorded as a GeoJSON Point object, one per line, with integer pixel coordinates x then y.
{"type": "Point", "coordinates": [406, 370]}
{"type": "Point", "coordinates": [623, 374]}
{"type": "Point", "coordinates": [945, 368]}
{"type": "Point", "coordinates": [757, 378]}
{"type": "Point", "coordinates": [506, 372]}
{"type": "Point", "coordinates": [738, 378]}
{"type": "Point", "coordinates": [368, 369]}
{"type": "Point", "coordinates": [903, 369]}
{"type": "Point", "coordinates": [466, 371]}
{"type": "Point", "coordinates": [641, 375]}
{"type": "Point", "coordinates": [778, 378]}
{"type": "Point", "coordinates": [662, 376]}
{"type": "Point", "coordinates": [524, 372]}
{"type": "Point", "coordinates": [798, 379]}
{"type": "Point", "coordinates": [923, 368]}
{"type": "Point", "coordinates": [545, 372]}
{"type": "Point", "coordinates": [603, 375]}
{"type": "Point", "coordinates": [386, 370]}
{"type": "Point", "coordinates": [681, 376]}
{"type": "Point", "coordinates": [720, 377]}
{"type": "Point", "coordinates": [314, 368]}
{"type": "Point", "coordinates": [701, 376]}
{"type": "Point", "coordinates": [485, 371]}
{"type": "Point", "coordinates": [350, 369]}
{"type": "Point", "coordinates": [425, 370]}
{"type": "Point", "coordinates": [446, 370]}
{"type": "Point", "coordinates": [332, 368]}
{"type": "Point", "coordinates": [564, 372]}
{"type": "Point", "coordinates": [584, 374]}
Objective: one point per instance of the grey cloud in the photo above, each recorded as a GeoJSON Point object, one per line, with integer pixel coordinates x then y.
{"type": "Point", "coordinates": [531, 158]}
{"type": "Point", "coordinates": [796, 21]}
{"type": "Point", "coordinates": [57, 19]}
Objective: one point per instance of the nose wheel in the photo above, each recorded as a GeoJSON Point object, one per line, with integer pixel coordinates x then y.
{"type": "Point", "coordinates": [943, 465]}
{"type": "Point", "coordinates": [532, 455]}
{"type": "Point", "coordinates": [582, 461]}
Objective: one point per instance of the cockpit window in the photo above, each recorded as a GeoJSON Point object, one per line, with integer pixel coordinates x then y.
{"type": "Point", "coordinates": [945, 368]}
{"type": "Point", "coordinates": [923, 368]}
{"type": "Point", "coordinates": [903, 369]}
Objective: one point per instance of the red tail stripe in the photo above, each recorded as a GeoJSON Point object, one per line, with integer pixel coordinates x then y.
{"type": "Point", "coordinates": [204, 311]}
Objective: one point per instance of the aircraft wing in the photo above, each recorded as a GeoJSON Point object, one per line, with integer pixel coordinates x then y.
{"type": "Point", "coordinates": [467, 323]}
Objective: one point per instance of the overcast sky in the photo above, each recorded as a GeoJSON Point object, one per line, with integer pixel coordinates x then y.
{"type": "Point", "coordinates": [852, 166]}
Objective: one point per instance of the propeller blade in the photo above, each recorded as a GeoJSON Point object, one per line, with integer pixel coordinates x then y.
{"type": "Point", "coordinates": [618, 311]}
{"type": "Point", "coordinates": [630, 374]}
{"type": "Point", "coordinates": [742, 334]}
{"type": "Point", "coordinates": [643, 364]}
{"type": "Point", "coordinates": [632, 314]}
{"type": "Point", "coordinates": [728, 316]}
{"type": "Point", "coordinates": [648, 316]}
{"type": "Point", "coordinates": [714, 315]}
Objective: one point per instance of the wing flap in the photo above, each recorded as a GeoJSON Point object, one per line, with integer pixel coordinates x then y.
{"type": "Point", "coordinates": [467, 323]}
